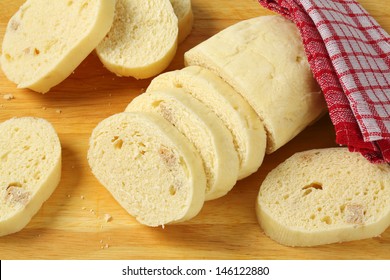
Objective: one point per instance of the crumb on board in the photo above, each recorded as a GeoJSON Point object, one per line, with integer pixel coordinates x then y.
{"type": "Point", "coordinates": [82, 197]}
{"type": "Point", "coordinates": [104, 244]}
{"type": "Point", "coordinates": [107, 217]}
{"type": "Point", "coordinates": [8, 96]}
{"type": "Point", "coordinates": [59, 111]}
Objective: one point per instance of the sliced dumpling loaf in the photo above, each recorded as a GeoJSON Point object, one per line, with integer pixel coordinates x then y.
{"type": "Point", "coordinates": [46, 40]}
{"type": "Point", "coordinates": [30, 168]}
{"type": "Point", "coordinates": [151, 169]}
{"type": "Point", "coordinates": [185, 17]}
{"type": "Point", "coordinates": [248, 133]}
{"type": "Point", "coordinates": [324, 196]}
{"type": "Point", "coordinates": [263, 59]}
{"type": "Point", "coordinates": [143, 38]}
{"type": "Point", "coordinates": [203, 129]}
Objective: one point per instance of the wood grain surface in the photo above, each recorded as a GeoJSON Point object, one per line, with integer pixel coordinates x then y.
{"type": "Point", "coordinates": [71, 224]}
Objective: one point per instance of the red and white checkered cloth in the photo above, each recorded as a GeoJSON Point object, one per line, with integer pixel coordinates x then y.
{"type": "Point", "coordinates": [349, 54]}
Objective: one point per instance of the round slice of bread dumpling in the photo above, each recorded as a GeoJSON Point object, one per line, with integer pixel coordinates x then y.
{"type": "Point", "coordinates": [202, 128]}
{"type": "Point", "coordinates": [185, 17]}
{"type": "Point", "coordinates": [142, 40]}
{"type": "Point", "coordinates": [324, 196]}
{"type": "Point", "coordinates": [46, 40]}
{"type": "Point", "coordinates": [149, 167]}
{"type": "Point", "coordinates": [248, 132]}
{"type": "Point", "coordinates": [30, 168]}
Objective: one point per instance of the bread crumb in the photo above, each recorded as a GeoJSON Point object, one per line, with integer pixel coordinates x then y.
{"type": "Point", "coordinates": [83, 208]}
{"type": "Point", "coordinates": [59, 111]}
{"type": "Point", "coordinates": [354, 214]}
{"type": "Point", "coordinates": [101, 241]}
{"type": "Point", "coordinates": [43, 108]}
{"type": "Point", "coordinates": [106, 246]}
{"type": "Point", "coordinates": [17, 195]}
{"type": "Point", "coordinates": [107, 217]}
{"type": "Point", "coordinates": [8, 96]}
{"type": "Point", "coordinates": [82, 197]}
{"type": "Point", "coordinates": [68, 195]}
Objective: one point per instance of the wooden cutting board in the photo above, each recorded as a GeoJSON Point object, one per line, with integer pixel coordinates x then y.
{"type": "Point", "coordinates": [71, 224]}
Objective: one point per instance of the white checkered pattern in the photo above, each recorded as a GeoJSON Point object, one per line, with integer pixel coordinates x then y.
{"type": "Point", "coordinates": [349, 54]}
{"type": "Point", "coordinates": [358, 48]}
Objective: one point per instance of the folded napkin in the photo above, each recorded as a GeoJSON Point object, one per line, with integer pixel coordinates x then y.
{"type": "Point", "coordinates": [349, 54]}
